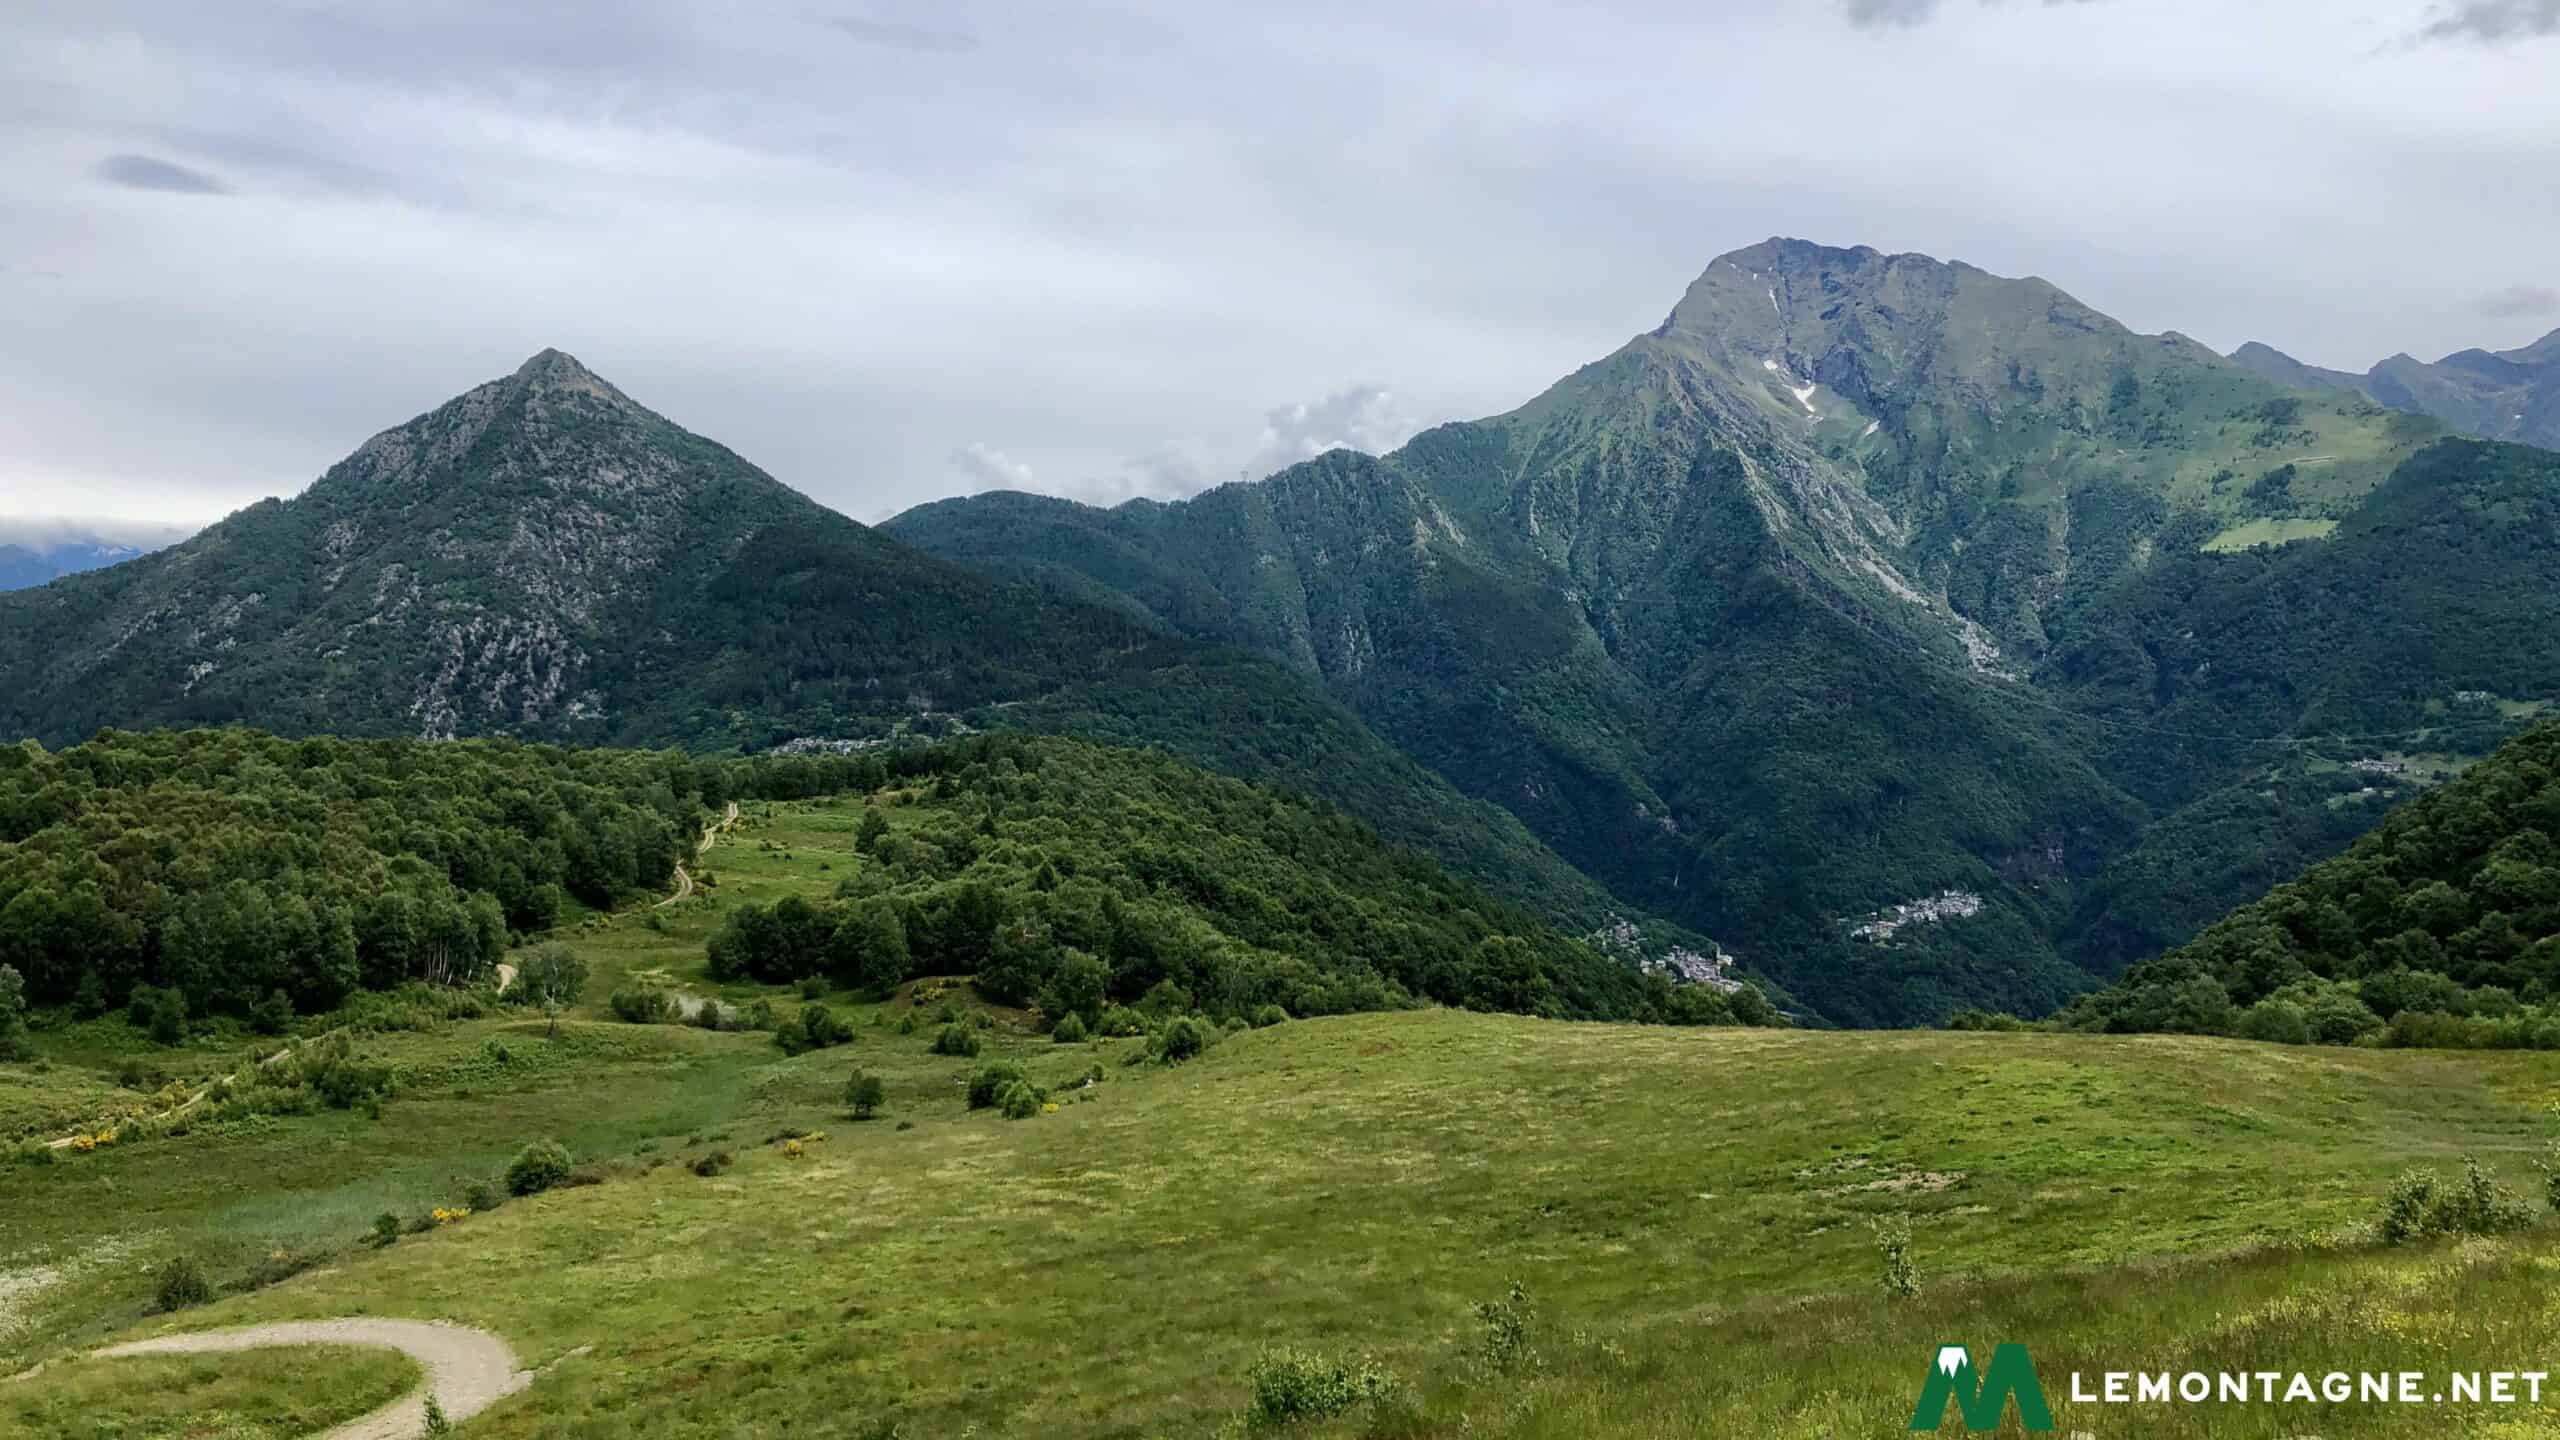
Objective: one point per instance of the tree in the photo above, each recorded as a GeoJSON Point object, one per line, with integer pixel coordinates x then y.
{"type": "Point", "coordinates": [867, 836]}
{"type": "Point", "coordinates": [864, 1094]}
{"type": "Point", "coordinates": [13, 1015]}
{"type": "Point", "coordinates": [868, 950]}
{"type": "Point", "coordinates": [552, 977]}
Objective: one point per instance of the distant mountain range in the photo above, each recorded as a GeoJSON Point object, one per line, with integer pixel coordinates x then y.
{"type": "Point", "coordinates": [2494, 394]}
{"type": "Point", "coordinates": [34, 552]}
{"type": "Point", "coordinates": [1862, 586]}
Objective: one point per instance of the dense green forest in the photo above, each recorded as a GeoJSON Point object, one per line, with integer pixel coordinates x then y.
{"type": "Point", "coordinates": [1074, 876]}
{"type": "Point", "coordinates": [2442, 924]}
{"type": "Point", "coordinates": [228, 867]}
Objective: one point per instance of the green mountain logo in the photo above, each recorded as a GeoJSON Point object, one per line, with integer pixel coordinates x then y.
{"type": "Point", "coordinates": [1981, 1400]}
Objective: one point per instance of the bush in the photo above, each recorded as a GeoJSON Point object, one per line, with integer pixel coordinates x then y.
{"type": "Point", "coordinates": [643, 1005]}
{"type": "Point", "coordinates": [537, 1168]}
{"type": "Point", "coordinates": [271, 1015]}
{"type": "Point", "coordinates": [1018, 1101]}
{"type": "Point", "coordinates": [180, 1284]}
{"type": "Point", "coordinates": [1120, 1022]}
{"type": "Point", "coordinates": [1290, 1386]}
{"type": "Point", "coordinates": [2419, 1205]}
{"type": "Point", "coordinates": [1182, 1040]}
{"type": "Point", "coordinates": [1069, 1030]}
{"type": "Point", "coordinates": [480, 1197]}
{"type": "Point", "coordinates": [864, 1094]}
{"type": "Point", "coordinates": [386, 1229]}
{"type": "Point", "coordinates": [710, 1164]}
{"type": "Point", "coordinates": [1268, 1016]}
{"type": "Point", "coordinates": [957, 1040]}
{"type": "Point", "coordinates": [813, 987]}
{"type": "Point", "coordinates": [2279, 1021]}
{"type": "Point", "coordinates": [1507, 1325]}
{"type": "Point", "coordinates": [709, 1017]}
{"type": "Point", "coordinates": [990, 1081]}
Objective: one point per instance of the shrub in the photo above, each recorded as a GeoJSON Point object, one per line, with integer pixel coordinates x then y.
{"type": "Point", "coordinates": [386, 1229]}
{"type": "Point", "coordinates": [480, 1197]}
{"type": "Point", "coordinates": [708, 1016]}
{"type": "Point", "coordinates": [1119, 1022]}
{"type": "Point", "coordinates": [1268, 1016]}
{"type": "Point", "coordinates": [864, 1094]}
{"type": "Point", "coordinates": [643, 1005]}
{"type": "Point", "coordinates": [1018, 1101]}
{"type": "Point", "coordinates": [271, 1015]}
{"type": "Point", "coordinates": [1900, 1274]}
{"type": "Point", "coordinates": [181, 1283]}
{"type": "Point", "coordinates": [990, 1080]}
{"type": "Point", "coordinates": [2419, 1205]}
{"type": "Point", "coordinates": [957, 1040]}
{"type": "Point", "coordinates": [1069, 1030]}
{"type": "Point", "coordinates": [710, 1164]}
{"type": "Point", "coordinates": [161, 1014]}
{"type": "Point", "coordinates": [433, 1422]}
{"type": "Point", "coordinates": [1507, 1324]}
{"type": "Point", "coordinates": [2280, 1021]}
{"type": "Point", "coordinates": [1181, 1040]}
{"type": "Point", "coordinates": [537, 1167]}
{"type": "Point", "coordinates": [1290, 1386]}
{"type": "Point", "coordinates": [824, 1027]}
{"type": "Point", "coordinates": [813, 987]}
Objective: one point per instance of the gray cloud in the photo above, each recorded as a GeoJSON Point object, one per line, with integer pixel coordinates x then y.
{"type": "Point", "coordinates": [897, 35]}
{"type": "Point", "coordinates": [1872, 14]}
{"type": "Point", "coordinates": [144, 172]}
{"type": "Point", "coordinates": [2495, 22]}
{"type": "Point", "coordinates": [1099, 245]}
{"type": "Point", "coordinates": [2519, 301]}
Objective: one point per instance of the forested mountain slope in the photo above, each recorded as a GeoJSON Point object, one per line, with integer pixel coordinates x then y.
{"type": "Point", "coordinates": [231, 866]}
{"type": "Point", "coordinates": [2447, 911]}
{"type": "Point", "coordinates": [1859, 579]}
{"type": "Point", "coordinates": [545, 558]}
{"type": "Point", "coordinates": [539, 555]}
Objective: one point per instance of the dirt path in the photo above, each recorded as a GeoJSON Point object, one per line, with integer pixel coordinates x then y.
{"type": "Point", "coordinates": [173, 1112]}
{"type": "Point", "coordinates": [506, 976]}
{"type": "Point", "coordinates": [684, 882]}
{"type": "Point", "coordinates": [466, 1370]}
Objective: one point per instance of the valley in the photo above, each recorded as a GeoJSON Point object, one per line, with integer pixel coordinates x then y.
{"type": "Point", "coordinates": [1687, 1210]}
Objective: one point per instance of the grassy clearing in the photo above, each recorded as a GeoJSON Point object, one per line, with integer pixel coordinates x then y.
{"type": "Point", "coordinates": [2268, 532]}
{"type": "Point", "coordinates": [283, 1394]}
{"type": "Point", "coordinates": [1696, 1204]}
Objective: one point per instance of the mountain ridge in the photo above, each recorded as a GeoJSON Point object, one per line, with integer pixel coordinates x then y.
{"type": "Point", "coordinates": [2511, 395]}
{"type": "Point", "coordinates": [1741, 616]}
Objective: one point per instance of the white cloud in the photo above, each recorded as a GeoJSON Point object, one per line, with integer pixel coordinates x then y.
{"type": "Point", "coordinates": [991, 469]}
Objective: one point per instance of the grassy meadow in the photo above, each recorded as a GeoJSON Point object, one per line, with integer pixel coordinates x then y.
{"type": "Point", "coordinates": [1690, 1213]}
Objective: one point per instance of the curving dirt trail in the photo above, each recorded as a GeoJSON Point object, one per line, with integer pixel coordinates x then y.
{"type": "Point", "coordinates": [684, 882]}
{"type": "Point", "coordinates": [466, 1370]}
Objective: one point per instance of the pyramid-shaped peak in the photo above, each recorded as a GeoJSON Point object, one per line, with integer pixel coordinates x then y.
{"type": "Point", "coordinates": [553, 369]}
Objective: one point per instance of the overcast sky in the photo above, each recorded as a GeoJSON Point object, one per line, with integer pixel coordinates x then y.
{"type": "Point", "coordinates": [893, 251]}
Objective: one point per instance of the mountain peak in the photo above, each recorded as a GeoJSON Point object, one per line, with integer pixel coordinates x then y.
{"type": "Point", "coordinates": [553, 369]}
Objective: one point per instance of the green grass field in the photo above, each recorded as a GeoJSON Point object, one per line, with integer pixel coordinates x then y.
{"type": "Point", "coordinates": [1690, 1211]}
